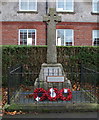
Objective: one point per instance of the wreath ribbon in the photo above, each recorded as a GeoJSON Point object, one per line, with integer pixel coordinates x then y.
{"type": "Point", "coordinates": [52, 94]}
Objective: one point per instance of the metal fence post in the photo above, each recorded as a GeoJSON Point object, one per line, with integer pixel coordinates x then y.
{"type": "Point", "coordinates": [38, 83]}
{"type": "Point", "coordinates": [8, 85]}
{"type": "Point", "coordinates": [21, 74]}
{"type": "Point", "coordinates": [81, 72]}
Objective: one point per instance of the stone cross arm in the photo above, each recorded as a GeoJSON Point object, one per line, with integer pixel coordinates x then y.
{"type": "Point", "coordinates": [52, 16]}
{"type": "Point", "coordinates": [46, 18]}
{"type": "Point", "coordinates": [57, 18]}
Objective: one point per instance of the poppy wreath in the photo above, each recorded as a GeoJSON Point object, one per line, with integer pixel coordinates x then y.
{"type": "Point", "coordinates": [40, 94]}
{"type": "Point", "coordinates": [67, 92]}
{"type": "Point", "coordinates": [52, 94]}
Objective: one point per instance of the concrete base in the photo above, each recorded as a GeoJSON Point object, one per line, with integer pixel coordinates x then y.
{"type": "Point", "coordinates": [52, 108]}
{"type": "Point", "coordinates": [51, 70]}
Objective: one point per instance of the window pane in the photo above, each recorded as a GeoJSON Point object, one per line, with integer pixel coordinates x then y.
{"type": "Point", "coordinates": [61, 4]}
{"type": "Point", "coordinates": [25, 42]}
{"type": "Point", "coordinates": [96, 33]}
{"type": "Point", "coordinates": [68, 36]}
{"type": "Point", "coordinates": [96, 6]}
{"type": "Point", "coordinates": [23, 37]}
{"type": "Point", "coordinates": [23, 31]}
{"type": "Point", "coordinates": [33, 37]}
{"type": "Point", "coordinates": [69, 5]}
{"type": "Point", "coordinates": [24, 5]}
{"type": "Point", "coordinates": [68, 43]}
{"type": "Point", "coordinates": [28, 4]}
{"type": "Point", "coordinates": [65, 5]}
{"type": "Point", "coordinates": [96, 42]}
{"type": "Point", "coordinates": [60, 37]}
{"type": "Point", "coordinates": [32, 4]}
{"type": "Point", "coordinates": [96, 37]}
{"type": "Point", "coordinates": [27, 37]}
{"type": "Point", "coordinates": [31, 34]}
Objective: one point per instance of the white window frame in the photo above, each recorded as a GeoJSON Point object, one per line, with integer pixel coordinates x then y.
{"type": "Point", "coordinates": [93, 11]}
{"type": "Point", "coordinates": [58, 10]}
{"type": "Point", "coordinates": [93, 36]}
{"type": "Point", "coordinates": [64, 36]}
{"type": "Point", "coordinates": [28, 9]}
{"type": "Point", "coordinates": [27, 35]}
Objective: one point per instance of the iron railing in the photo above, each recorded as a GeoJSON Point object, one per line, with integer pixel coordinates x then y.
{"type": "Point", "coordinates": [84, 84]}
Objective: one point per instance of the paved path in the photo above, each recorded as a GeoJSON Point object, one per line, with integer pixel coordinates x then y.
{"type": "Point", "coordinates": [56, 115]}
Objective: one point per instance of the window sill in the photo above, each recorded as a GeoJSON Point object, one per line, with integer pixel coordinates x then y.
{"type": "Point", "coordinates": [36, 12]}
{"type": "Point", "coordinates": [93, 13]}
{"type": "Point", "coordinates": [64, 12]}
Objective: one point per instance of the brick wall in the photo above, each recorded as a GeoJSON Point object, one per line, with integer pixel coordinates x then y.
{"type": "Point", "coordinates": [10, 31]}
{"type": "Point", "coordinates": [82, 31]}
{"type": "Point", "coordinates": [0, 33]}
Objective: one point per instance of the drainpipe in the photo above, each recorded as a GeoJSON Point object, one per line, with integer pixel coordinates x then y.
{"type": "Point", "coordinates": [46, 6]}
{"type": "Point", "coordinates": [46, 23]}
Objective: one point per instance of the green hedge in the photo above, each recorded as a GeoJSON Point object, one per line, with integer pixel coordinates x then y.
{"type": "Point", "coordinates": [34, 56]}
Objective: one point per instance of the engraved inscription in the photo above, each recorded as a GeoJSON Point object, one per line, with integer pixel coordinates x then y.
{"type": "Point", "coordinates": [55, 78]}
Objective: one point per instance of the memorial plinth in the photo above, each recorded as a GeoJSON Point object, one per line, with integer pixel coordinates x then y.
{"type": "Point", "coordinates": [56, 74]}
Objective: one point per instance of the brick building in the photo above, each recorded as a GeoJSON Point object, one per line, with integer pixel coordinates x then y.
{"type": "Point", "coordinates": [22, 22]}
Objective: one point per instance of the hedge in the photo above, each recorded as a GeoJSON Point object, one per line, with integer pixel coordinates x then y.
{"type": "Point", "coordinates": [34, 56]}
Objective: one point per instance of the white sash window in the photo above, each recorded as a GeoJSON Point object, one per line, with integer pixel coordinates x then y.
{"type": "Point", "coordinates": [95, 6]}
{"type": "Point", "coordinates": [27, 37]}
{"type": "Point", "coordinates": [64, 37]}
{"type": "Point", "coordinates": [95, 41]}
{"type": "Point", "coordinates": [28, 5]}
{"type": "Point", "coordinates": [65, 5]}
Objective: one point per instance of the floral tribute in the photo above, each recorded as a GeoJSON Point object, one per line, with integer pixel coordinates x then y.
{"type": "Point", "coordinates": [52, 94]}
{"type": "Point", "coordinates": [65, 94]}
{"type": "Point", "coordinates": [40, 94]}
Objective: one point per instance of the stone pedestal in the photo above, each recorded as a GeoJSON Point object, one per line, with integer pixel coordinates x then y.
{"type": "Point", "coordinates": [51, 70]}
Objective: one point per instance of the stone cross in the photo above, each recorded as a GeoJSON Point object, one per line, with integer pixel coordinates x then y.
{"type": "Point", "coordinates": [51, 19]}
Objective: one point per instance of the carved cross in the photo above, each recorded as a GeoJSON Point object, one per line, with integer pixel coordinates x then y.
{"type": "Point", "coordinates": [51, 19]}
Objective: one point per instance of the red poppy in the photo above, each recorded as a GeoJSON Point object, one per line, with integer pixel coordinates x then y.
{"type": "Point", "coordinates": [67, 92]}
{"type": "Point", "coordinates": [40, 94]}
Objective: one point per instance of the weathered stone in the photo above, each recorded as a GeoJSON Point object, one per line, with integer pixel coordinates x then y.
{"type": "Point", "coordinates": [51, 19]}
{"type": "Point", "coordinates": [52, 68]}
